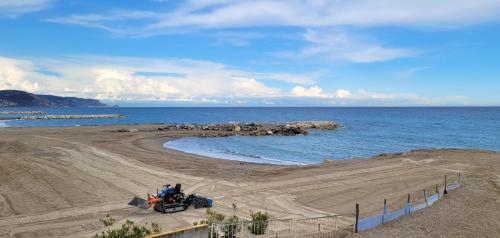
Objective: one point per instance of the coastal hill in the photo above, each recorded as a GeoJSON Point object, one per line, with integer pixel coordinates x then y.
{"type": "Point", "coordinates": [16, 98]}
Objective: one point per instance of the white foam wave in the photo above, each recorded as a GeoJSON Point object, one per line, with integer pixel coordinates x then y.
{"type": "Point", "coordinates": [185, 146]}
{"type": "Point", "coordinates": [3, 124]}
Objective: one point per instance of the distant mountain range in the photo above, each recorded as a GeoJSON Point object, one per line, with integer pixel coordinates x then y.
{"type": "Point", "coordinates": [16, 98]}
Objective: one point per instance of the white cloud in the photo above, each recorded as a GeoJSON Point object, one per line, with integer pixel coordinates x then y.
{"type": "Point", "coordinates": [313, 91]}
{"type": "Point", "coordinates": [122, 84]}
{"type": "Point", "coordinates": [120, 78]}
{"type": "Point", "coordinates": [343, 93]}
{"type": "Point", "coordinates": [13, 75]}
{"type": "Point", "coordinates": [180, 80]}
{"type": "Point", "coordinates": [251, 87]}
{"type": "Point", "coordinates": [13, 8]}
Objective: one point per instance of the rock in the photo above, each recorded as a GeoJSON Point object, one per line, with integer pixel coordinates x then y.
{"type": "Point", "coordinates": [321, 125]}
{"type": "Point", "coordinates": [237, 128]}
{"type": "Point", "coordinates": [269, 133]}
{"type": "Point", "coordinates": [128, 130]}
{"type": "Point", "coordinates": [328, 161]}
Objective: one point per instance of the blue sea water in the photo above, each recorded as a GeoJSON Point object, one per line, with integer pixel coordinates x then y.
{"type": "Point", "coordinates": [366, 132]}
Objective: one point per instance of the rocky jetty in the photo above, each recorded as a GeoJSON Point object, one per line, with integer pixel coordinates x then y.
{"type": "Point", "coordinates": [21, 112]}
{"type": "Point", "coordinates": [64, 117]}
{"type": "Point", "coordinates": [247, 129]}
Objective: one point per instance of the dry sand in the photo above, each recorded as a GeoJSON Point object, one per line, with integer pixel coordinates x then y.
{"type": "Point", "coordinates": [60, 181]}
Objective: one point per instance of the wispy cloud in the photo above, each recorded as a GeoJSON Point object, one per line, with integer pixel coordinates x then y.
{"type": "Point", "coordinates": [224, 14]}
{"type": "Point", "coordinates": [408, 73]}
{"type": "Point", "coordinates": [340, 45]}
{"type": "Point", "coordinates": [329, 25]}
{"type": "Point", "coordinates": [237, 38]}
{"type": "Point", "coordinates": [112, 21]}
{"type": "Point", "coordinates": [301, 79]}
{"type": "Point", "coordinates": [13, 8]}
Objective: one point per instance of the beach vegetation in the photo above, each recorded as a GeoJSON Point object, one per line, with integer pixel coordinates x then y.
{"type": "Point", "coordinates": [127, 230]}
{"type": "Point", "coordinates": [259, 223]}
{"type": "Point", "coordinates": [230, 228]}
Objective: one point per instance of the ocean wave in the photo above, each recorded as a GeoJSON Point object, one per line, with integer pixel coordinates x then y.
{"type": "Point", "coordinates": [4, 124]}
{"type": "Point", "coordinates": [189, 146]}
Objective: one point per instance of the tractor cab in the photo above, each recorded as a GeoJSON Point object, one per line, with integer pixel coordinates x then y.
{"type": "Point", "coordinates": [174, 195]}
{"type": "Point", "coordinates": [173, 200]}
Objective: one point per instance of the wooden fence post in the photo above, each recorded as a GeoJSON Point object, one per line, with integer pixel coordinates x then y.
{"type": "Point", "coordinates": [459, 178]}
{"type": "Point", "coordinates": [425, 196]}
{"type": "Point", "coordinates": [437, 190]}
{"type": "Point", "coordinates": [408, 204]}
{"type": "Point", "coordinates": [445, 186]}
{"type": "Point", "coordinates": [357, 219]}
{"type": "Point", "coordinates": [385, 211]}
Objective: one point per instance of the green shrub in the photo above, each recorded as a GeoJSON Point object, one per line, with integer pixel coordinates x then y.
{"type": "Point", "coordinates": [156, 228]}
{"type": "Point", "coordinates": [127, 230]}
{"type": "Point", "coordinates": [232, 228]}
{"type": "Point", "coordinates": [228, 231]}
{"type": "Point", "coordinates": [107, 221]}
{"type": "Point", "coordinates": [231, 225]}
{"type": "Point", "coordinates": [259, 223]}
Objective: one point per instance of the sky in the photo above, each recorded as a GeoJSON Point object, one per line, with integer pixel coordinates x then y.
{"type": "Point", "coordinates": [255, 53]}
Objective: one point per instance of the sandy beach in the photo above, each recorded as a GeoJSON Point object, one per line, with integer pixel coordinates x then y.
{"type": "Point", "coordinates": [58, 182]}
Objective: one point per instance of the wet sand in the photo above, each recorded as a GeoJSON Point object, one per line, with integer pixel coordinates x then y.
{"type": "Point", "coordinates": [60, 181]}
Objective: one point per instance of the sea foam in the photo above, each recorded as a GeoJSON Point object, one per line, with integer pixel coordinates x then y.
{"type": "Point", "coordinates": [186, 145]}
{"type": "Point", "coordinates": [3, 124]}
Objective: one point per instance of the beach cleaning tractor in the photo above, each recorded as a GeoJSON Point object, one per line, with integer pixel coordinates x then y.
{"type": "Point", "coordinates": [170, 200]}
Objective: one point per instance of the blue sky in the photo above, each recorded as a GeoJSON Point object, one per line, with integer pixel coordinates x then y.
{"type": "Point", "coordinates": [255, 53]}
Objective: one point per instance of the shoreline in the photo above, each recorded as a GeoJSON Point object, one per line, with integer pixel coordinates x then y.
{"type": "Point", "coordinates": [77, 175]}
{"type": "Point", "coordinates": [151, 127]}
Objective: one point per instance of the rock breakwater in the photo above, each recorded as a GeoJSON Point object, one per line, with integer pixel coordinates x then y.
{"type": "Point", "coordinates": [21, 112]}
{"type": "Point", "coordinates": [247, 129]}
{"type": "Point", "coordinates": [64, 117]}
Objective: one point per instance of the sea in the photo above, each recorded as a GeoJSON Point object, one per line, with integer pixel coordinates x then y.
{"type": "Point", "coordinates": [366, 131]}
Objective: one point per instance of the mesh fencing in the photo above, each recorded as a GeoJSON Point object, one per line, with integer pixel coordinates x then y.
{"type": "Point", "coordinates": [376, 220]}
{"type": "Point", "coordinates": [318, 227]}
{"type": "Point", "coordinates": [328, 226]}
